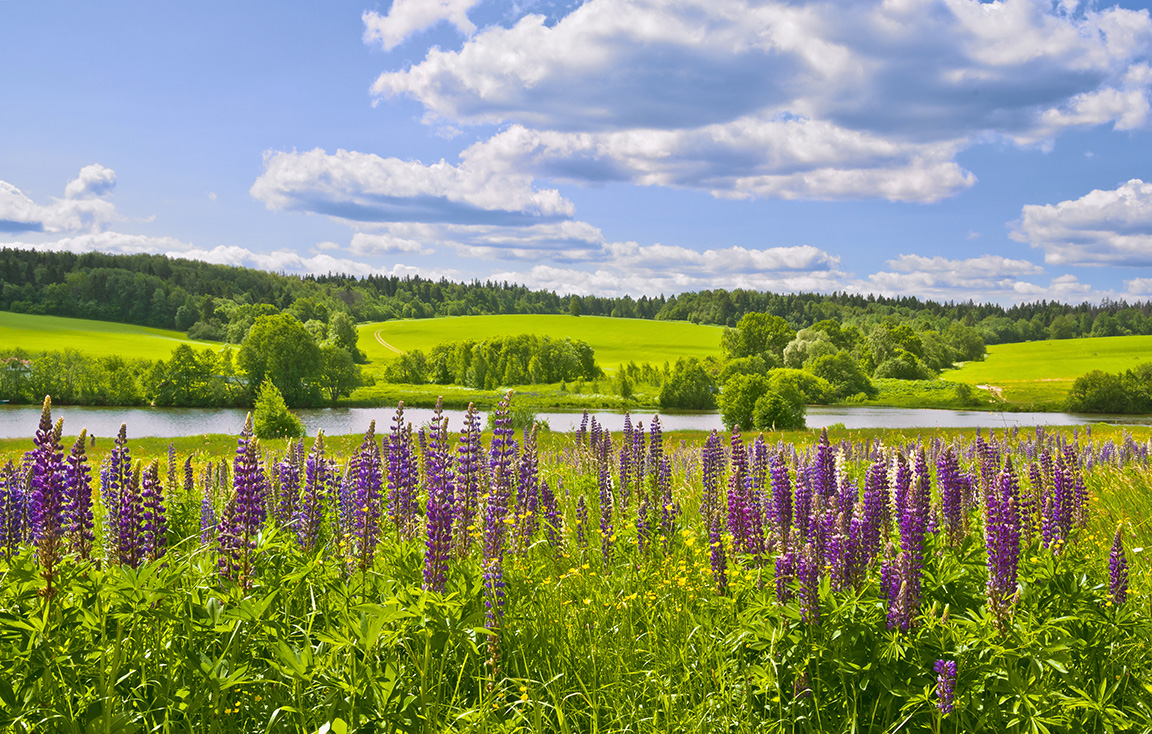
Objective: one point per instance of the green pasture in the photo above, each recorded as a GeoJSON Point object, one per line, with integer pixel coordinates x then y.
{"type": "Point", "coordinates": [1041, 373]}
{"type": "Point", "coordinates": [616, 341]}
{"type": "Point", "coordinates": [93, 338]}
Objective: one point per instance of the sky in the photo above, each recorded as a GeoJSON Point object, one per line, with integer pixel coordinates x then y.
{"type": "Point", "coordinates": [951, 150]}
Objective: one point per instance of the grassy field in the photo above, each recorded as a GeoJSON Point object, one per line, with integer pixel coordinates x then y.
{"type": "Point", "coordinates": [616, 341]}
{"type": "Point", "coordinates": [1041, 373]}
{"type": "Point", "coordinates": [95, 338]}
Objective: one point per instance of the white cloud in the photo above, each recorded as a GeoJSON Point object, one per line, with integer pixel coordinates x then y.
{"type": "Point", "coordinates": [82, 207]}
{"type": "Point", "coordinates": [407, 17]}
{"type": "Point", "coordinates": [987, 278]}
{"type": "Point", "coordinates": [824, 100]}
{"type": "Point", "coordinates": [1100, 228]}
{"type": "Point", "coordinates": [361, 187]}
{"type": "Point", "coordinates": [983, 266]}
{"type": "Point", "coordinates": [93, 180]}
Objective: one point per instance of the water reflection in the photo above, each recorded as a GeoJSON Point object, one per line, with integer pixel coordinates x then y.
{"type": "Point", "coordinates": [21, 421]}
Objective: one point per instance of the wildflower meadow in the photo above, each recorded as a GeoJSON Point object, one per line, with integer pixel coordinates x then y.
{"type": "Point", "coordinates": [444, 578]}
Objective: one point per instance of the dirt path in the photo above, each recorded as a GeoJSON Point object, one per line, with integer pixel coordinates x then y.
{"type": "Point", "coordinates": [997, 391]}
{"type": "Point", "coordinates": [386, 344]}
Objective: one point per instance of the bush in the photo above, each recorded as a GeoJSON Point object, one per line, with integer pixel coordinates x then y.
{"type": "Point", "coordinates": [689, 387]}
{"type": "Point", "coordinates": [903, 366]}
{"type": "Point", "coordinates": [1102, 392]}
{"type": "Point", "coordinates": [775, 412]}
{"type": "Point", "coordinates": [271, 418]}
{"type": "Point", "coordinates": [812, 390]}
{"type": "Point", "coordinates": [738, 399]}
{"type": "Point", "coordinates": [843, 373]}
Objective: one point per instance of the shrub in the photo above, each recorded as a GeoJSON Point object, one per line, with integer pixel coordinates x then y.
{"type": "Point", "coordinates": [843, 373]}
{"type": "Point", "coordinates": [903, 366]}
{"type": "Point", "coordinates": [271, 418]}
{"type": "Point", "coordinates": [775, 412]}
{"type": "Point", "coordinates": [689, 386]}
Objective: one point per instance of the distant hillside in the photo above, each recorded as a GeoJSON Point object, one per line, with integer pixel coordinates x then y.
{"type": "Point", "coordinates": [35, 334]}
{"type": "Point", "coordinates": [219, 302]}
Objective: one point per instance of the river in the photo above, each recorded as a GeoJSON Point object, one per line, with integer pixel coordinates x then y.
{"type": "Point", "coordinates": [21, 421]}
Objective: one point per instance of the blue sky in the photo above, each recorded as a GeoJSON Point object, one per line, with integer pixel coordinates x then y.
{"type": "Point", "coordinates": [948, 150]}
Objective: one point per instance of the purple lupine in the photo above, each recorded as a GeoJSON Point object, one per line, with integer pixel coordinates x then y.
{"type": "Point", "coordinates": [712, 460]}
{"type": "Point", "coordinates": [189, 477]}
{"type": "Point", "coordinates": [120, 490]}
{"type": "Point", "coordinates": [872, 515]}
{"type": "Point", "coordinates": [824, 468]}
{"type": "Point", "coordinates": [802, 504]}
{"type": "Point", "coordinates": [153, 521]}
{"type": "Point", "coordinates": [655, 458]}
{"type": "Point", "coordinates": [244, 511]}
{"type": "Point", "coordinates": [367, 486]}
{"type": "Point", "coordinates": [949, 481]}
{"type": "Point", "coordinates": [626, 474]}
{"type": "Point", "coordinates": [1118, 570]}
{"type": "Point", "coordinates": [288, 478]}
{"type": "Point", "coordinates": [607, 533]}
{"type": "Point", "coordinates": [310, 510]}
{"type": "Point", "coordinates": [78, 514]}
{"type": "Point", "coordinates": [669, 510]}
{"type": "Point", "coordinates": [785, 575]}
{"type": "Point", "coordinates": [11, 510]}
{"type": "Point", "coordinates": [47, 503]}
{"type": "Point", "coordinates": [402, 476]}
{"type": "Point", "coordinates": [581, 521]}
{"type": "Point", "coordinates": [439, 513]}
{"type": "Point", "coordinates": [781, 498]}
{"type": "Point", "coordinates": [945, 685]}
{"type": "Point", "coordinates": [501, 462]}
{"type": "Point", "coordinates": [550, 511]}
{"type": "Point", "coordinates": [643, 526]}
{"type": "Point", "coordinates": [208, 510]}
{"type": "Point", "coordinates": [527, 517]}
{"type": "Point", "coordinates": [876, 482]}
{"type": "Point", "coordinates": [718, 557]}
{"type": "Point", "coordinates": [738, 495]}
{"type": "Point", "coordinates": [1002, 539]}
{"type": "Point", "coordinates": [808, 587]}
{"type": "Point", "coordinates": [469, 465]}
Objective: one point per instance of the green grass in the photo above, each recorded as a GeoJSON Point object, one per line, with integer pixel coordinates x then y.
{"type": "Point", "coordinates": [616, 341]}
{"type": "Point", "coordinates": [93, 338]}
{"type": "Point", "coordinates": [1039, 374]}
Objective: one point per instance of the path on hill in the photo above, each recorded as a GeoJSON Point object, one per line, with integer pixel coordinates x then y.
{"type": "Point", "coordinates": [386, 344]}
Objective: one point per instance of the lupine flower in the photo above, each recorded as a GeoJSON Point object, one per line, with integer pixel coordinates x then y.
{"type": "Point", "coordinates": [945, 685]}
{"type": "Point", "coordinates": [47, 502]}
{"type": "Point", "coordinates": [1118, 570]}
{"type": "Point", "coordinates": [781, 497]}
{"type": "Point", "coordinates": [469, 476]}
{"type": "Point", "coordinates": [288, 479]}
{"type": "Point", "coordinates": [310, 511]}
{"type": "Point", "coordinates": [208, 510]}
{"type": "Point", "coordinates": [402, 476]}
{"type": "Point", "coordinates": [824, 468]}
{"type": "Point", "coordinates": [501, 462]}
{"type": "Point", "coordinates": [785, 574]}
{"type": "Point", "coordinates": [153, 521]}
{"type": "Point", "coordinates": [581, 521]}
{"type": "Point", "coordinates": [808, 576]}
{"type": "Point", "coordinates": [607, 533]}
{"type": "Point", "coordinates": [189, 482]}
{"type": "Point", "coordinates": [1002, 539]}
{"type": "Point", "coordinates": [527, 518]}
{"type": "Point", "coordinates": [120, 490]}
{"type": "Point", "coordinates": [439, 513]}
{"type": "Point", "coordinates": [655, 459]}
{"type": "Point", "coordinates": [802, 505]}
{"type": "Point", "coordinates": [950, 483]}
{"type": "Point", "coordinates": [244, 511]}
{"type": "Point", "coordinates": [367, 482]}
{"type": "Point", "coordinates": [642, 524]}
{"type": "Point", "coordinates": [11, 510]}
{"type": "Point", "coordinates": [627, 467]}
{"type": "Point", "coordinates": [553, 520]}
{"type": "Point", "coordinates": [78, 491]}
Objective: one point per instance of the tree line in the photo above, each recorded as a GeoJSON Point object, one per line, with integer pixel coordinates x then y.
{"type": "Point", "coordinates": [500, 361]}
{"type": "Point", "coordinates": [221, 302]}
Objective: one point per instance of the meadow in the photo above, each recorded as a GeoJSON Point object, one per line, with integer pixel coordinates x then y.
{"type": "Point", "coordinates": [1039, 374]}
{"type": "Point", "coordinates": [34, 334]}
{"type": "Point", "coordinates": [441, 578]}
{"type": "Point", "coordinates": [616, 341]}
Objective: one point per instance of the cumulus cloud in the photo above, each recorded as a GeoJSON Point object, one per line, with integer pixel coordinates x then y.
{"type": "Point", "coordinates": [407, 17]}
{"type": "Point", "coordinates": [362, 187]}
{"type": "Point", "coordinates": [1100, 228]}
{"type": "Point", "coordinates": [984, 278]}
{"type": "Point", "coordinates": [82, 208]}
{"type": "Point", "coordinates": [822, 100]}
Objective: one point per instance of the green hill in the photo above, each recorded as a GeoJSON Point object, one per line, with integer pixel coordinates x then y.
{"type": "Point", "coordinates": [94, 338]}
{"type": "Point", "coordinates": [616, 341]}
{"type": "Point", "coordinates": [1043, 371]}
